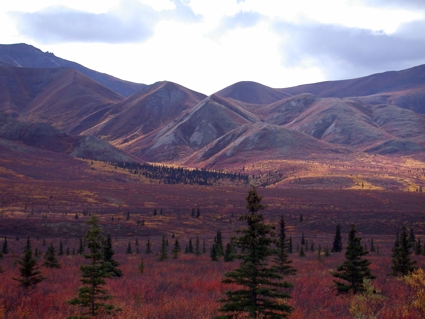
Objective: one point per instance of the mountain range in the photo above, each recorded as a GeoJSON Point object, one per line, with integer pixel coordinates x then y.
{"type": "Point", "coordinates": [240, 124]}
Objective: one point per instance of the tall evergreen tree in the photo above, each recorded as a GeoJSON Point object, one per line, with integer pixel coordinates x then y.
{"type": "Point", "coordinates": [163, 255]}
{"type": "Point", "coordinates": [81, 247]}
{"type": "Point", "coordinates": [50, 260]}
{"type": "Point", "coordinates": [283, 263]}
{"type": "Point", "coordinates": [93, 296]}
{"type": "Point", "coordinates": [5, 249]}
{"type": "Point", "coordinates": [60, 253]}
{"type": "Point", "coordinates": [354, 269]}
{"type": "Point", "coordinates": [418, 247]}
{"type": "Point", "coordinates": [176, 249]}
{"type": "Point", "coordinates": [110, 263]}
{"type": "Point", "coordinates": [213, 253]}
{"type": "Point", "coordinates": [290, 247]}
{"type": "Point", "coordinates": [259, 295]}
{"type": "Point", "coordinates": [190, 247]}
{"type": "Point", "coordinates": [337, 244]}
{"type": "Point", "coordinates": [401, 263]}
{"type": "Point", "coordinates": [372, 246]}
{"type": "Point", "coordinates": [30, 275]}
{"type": "Point", "coordinates": [197, 246]}
{"type": "Point", "coordinates": [28, 245]}
{"type": "Point", "coordinates": [219, 244]}
{"type": "Point", "coordinates": [148, 247]}
{"type": "Point", "coordinates": [142, 266]}
{"type": "Point", "coordinates": [129, 250]}
{"type": "Point", "coordinates": [302, 239]}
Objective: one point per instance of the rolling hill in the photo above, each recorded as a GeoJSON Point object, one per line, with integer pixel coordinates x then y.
{"type": "Point", "coordinates": [245, 122]}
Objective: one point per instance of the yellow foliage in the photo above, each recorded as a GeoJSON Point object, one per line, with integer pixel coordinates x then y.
{"type": "Point", "coordinates": [368, 304]}
{"type": "Point", "coordinates": [416, 280]}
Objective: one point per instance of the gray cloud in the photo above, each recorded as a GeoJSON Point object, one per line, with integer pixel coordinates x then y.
{"type": "Point", "coordinates": [405, 4]}
{"type": "Point", "coordinates": [343, 52]}
{"type": "Point", "coordinates": [132, 22]}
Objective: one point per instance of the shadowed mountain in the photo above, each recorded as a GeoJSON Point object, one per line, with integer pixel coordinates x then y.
{"type": "Point", "coordinates": [252, 92]}
{"type": "Point", "coordinates": [46, 137]}
{"type": "Point", "coordinates": [210, 119]}
{"type": "Point", "coordinates": [152, 107]}
{"type": "Point", "coordinates": [250, 142]}
{"type": "Point", "coordinates": [27, 56]}
{"type": "Point", "coordinates": [61, 97]}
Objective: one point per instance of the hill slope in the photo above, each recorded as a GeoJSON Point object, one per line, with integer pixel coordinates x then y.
{"type": "Point", "coordinates": [27, 56]}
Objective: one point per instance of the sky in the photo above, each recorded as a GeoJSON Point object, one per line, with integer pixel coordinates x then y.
{"type": "Point", "coordinates": [207, 45]}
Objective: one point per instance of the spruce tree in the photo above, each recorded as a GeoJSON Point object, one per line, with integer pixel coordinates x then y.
{"type": "Point", "coordinates": [176, 249]}
{"type": "Point", "coordinates": [372, 246]}
{"type": "Point", "coordinates": [81, 247]}
{"type": "Point", "coordinates": [190, 247]}
{"type": "Point", "coordinates": [5, 249]}
{"type": "Point", "coordinates": [129, 250]}
{"type": "Point", "coordinates": [354, 269]}
{"type": "Point", "coordinates": [337, 244]}
{"type": "Point", "coordinates": [283, 263]}
{"type": "Point", "coordinates": [213, 253]}
{"type": "Point", "coordinates": [302, 239]}
{"type": "Point", "coordinates": [219, 244]}
{"type": "Point", "coordinates": [302, 253]}
{"type": "Point", "coordinates": [290, 247]}
{"type": "Point", "coordinates": [148, 247]}
{"type": "Point", "coordinates": [93, 296]}
{"type": "Point", "coordinates": [60, 253]}
{"type": "Point", "coordinates": [50, 260]}
{"type": "Point", "coordinates": [30, 275]}
{"type": "Point", "coordinates": [259, 293]}
{"type": "Point", "coordinates": [110, 263]}
{"type": "Point", "coordinates": [418, 248]}
{"type": "Point", "coordinates": [401, 263]}
{"type": "Point", "coordinates": [197, 247]}
{"type": "Point", "coordinates": [163, 255]}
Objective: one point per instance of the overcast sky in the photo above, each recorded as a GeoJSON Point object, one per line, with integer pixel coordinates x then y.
{"type": "Point", "coordinates": [207, 45]}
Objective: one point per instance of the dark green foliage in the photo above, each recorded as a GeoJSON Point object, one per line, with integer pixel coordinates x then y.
{"type": "Point", "coordinates": [354, 269]}
{"type": "Point", "coordinates": [213, 253]}
{"type": "Point", "coordinates": [372, 246]}
{"type": "Point", "coordinates": [154, 212]}
{"type": "Point", "coordinates": [148, 247]}
{"type": "Point", "coordinates": [302, 253]}
{"type": "Point", "coordinates": [259, 293]}
{"type": "Point", "coordinates": [92, 296]}
{"type": "Point", "coordinates": [326, 252]}
{"type": "Point", "coordinates": [50, 260]}
{"type": "Point", "coordinates": [312, 246]}
{"type": "Point", "coordinates": [401, 263]}
{"type": "Point", "coordinates": [176, 249]}
{"type": "Point", "coordinates": [198, 213]}
{"type": "Point", "coordinates": [30, 275]}
{"type": "Point", "coordinates": [190, 247]}
{"type": "Point", "coordinates": [60, 248]}
{"type": "Point", "coordinates": [302, 239]}
{"type": "Point", "coordinates": [218, 241]}
{"type": "Point", "coordinates": [283, 263]}
{"type": "Point", "coordinates": [129, 250]}
{"type": "Point", "coordinates": [142, 266]}
{"type": "Point", "coordinates": [179, 175]}
{"type": "Point", "coordinates": [337, 244]}
{"type": "Point", "coordinates": [81, 247]}
{"type": "Point", "coordinates": [418, 247]}
{"type": "Point", "coordinates": [163, 255]}
{"type": "Point", "coordinates": [28, 245]}
{"type": "Point", "coordinates": [230, 253]}
{"type": "Point", "coordinates": [197, 247]}
{"type": "Point", "coordinates": [412, 236]}
{"type": "Point", "coordinates": [137, 243]}
{"type": "Point", "coordinates": [5, 249]}
{"type": "Point", "coordinates": [67, 251]}
{"type": "Point", "coordinates": [290, 247]}
{"type": "Point", "coordinates": [110, 263]}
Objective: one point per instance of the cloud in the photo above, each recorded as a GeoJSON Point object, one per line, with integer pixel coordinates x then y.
{"type": "Point", "coordinates": [240, 20]}
{"type": "Point", "coordinates": [131, 22]}
{"type": "Point", "coordinates": [413, 4]}
{"type": "Point", "coordinates": [343, 52]}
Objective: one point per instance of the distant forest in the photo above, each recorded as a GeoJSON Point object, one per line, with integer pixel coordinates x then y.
{"type": "Point", "coordinates": [180, 175]}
